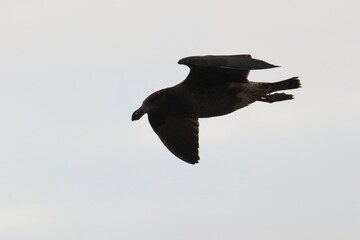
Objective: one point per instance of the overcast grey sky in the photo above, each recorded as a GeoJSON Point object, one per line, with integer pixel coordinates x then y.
{"type": "Point", "coordinates": [73, 166]}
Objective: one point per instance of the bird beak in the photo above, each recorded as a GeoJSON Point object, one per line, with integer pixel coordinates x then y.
{"type": "Point", "coordinates": [138, 114]}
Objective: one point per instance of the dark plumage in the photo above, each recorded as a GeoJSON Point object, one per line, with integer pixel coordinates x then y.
{"type": "Point", "coordinates": [215, 86]}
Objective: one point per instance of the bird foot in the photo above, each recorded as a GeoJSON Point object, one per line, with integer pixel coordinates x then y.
{"type": "Point", "coordinates": [276, 97]}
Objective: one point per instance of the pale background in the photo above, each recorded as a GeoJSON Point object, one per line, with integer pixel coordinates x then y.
{"type": "Point", "coordinates": [73, 165]}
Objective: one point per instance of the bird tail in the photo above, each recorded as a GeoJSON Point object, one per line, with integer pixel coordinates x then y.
{"type": "Point", "coordinates": [291, 83]}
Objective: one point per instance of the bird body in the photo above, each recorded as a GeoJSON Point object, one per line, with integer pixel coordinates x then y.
{"type": "Point", "coordinates": [215, 86]}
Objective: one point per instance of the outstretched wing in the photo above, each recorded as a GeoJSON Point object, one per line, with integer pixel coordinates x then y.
{"type": "Point", "coordinates": [179, 135]}
{"type": "Point", "coordinates": [222, 68]}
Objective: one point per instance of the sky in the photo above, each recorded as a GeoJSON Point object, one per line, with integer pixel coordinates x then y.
{"type": "Point", "coordinates": [74, 166]}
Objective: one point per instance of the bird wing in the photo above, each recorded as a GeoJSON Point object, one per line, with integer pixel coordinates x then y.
{"type": "Point", "coordinates": [179, 135]}
{"type": "Point", "coordinates": [222, 68]}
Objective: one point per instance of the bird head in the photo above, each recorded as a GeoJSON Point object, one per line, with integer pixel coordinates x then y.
{"type": "Point", "coordinates": [152, 104]}
{"type": "Point", "coordinates": [138, 113]}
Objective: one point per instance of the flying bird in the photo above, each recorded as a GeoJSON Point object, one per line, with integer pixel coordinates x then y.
{"type": "Point", "coordinates": [216, 85]}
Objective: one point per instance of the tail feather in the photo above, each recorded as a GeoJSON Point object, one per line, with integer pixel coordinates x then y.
{"type": "Point", "coordinates": [291, 83]}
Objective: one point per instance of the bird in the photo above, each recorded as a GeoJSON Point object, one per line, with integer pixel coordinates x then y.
{"type": "Point", "coordinates": [216, 85]}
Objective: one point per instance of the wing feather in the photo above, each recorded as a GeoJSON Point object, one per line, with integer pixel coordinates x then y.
{"type": "Point", "coordinates": [179, 135]}
{"type": "Point", "coordinates": [222, 68]}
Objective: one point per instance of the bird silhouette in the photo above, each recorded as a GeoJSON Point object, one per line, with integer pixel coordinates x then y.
{"type": "Point", "coordinates": [216, 85]}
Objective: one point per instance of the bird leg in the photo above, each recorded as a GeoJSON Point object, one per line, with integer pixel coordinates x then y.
{"type": "Point", "coordinates": [276, 97]}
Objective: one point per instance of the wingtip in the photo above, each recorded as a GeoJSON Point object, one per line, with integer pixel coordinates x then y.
{"type": "Point", "coordinates": [191, 161]}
